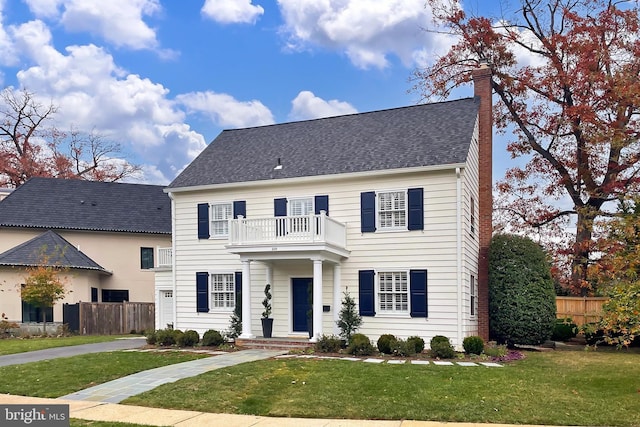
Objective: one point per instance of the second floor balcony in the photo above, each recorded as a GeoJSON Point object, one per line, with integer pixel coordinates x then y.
{"type": "Point", "coordinates": [288, 234]}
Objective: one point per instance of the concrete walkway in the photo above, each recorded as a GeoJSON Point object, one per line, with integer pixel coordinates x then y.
{"type": "Point", "coordinates": [97, 411]}
{"type": "Point", "coordinates": [117, 390]}
{"type": "Point", "coordinates": [72, 350]}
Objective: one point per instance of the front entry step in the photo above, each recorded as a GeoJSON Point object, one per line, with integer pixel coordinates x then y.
{"type": "Point", "coordinates": [274, 343]}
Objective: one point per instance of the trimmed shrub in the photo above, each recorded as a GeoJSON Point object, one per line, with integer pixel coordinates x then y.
{"type": "Point", "coordinates": [386, 343]}
{"type": "Point", "coordinates": [564, 330]}
{"type": "Point", "coordinates": [522, 300]}
{"type": "Point", "coordinates": [212, 338]}
{"type": "Point", "coordinates": [328, 344]}
{"type": "Point", "coordinates": [167, 337]}
{"type": "Point", "coordinates": [190, 338]}
{"type": "Point", "coordinates": [441, 348]}
{"type": "Point", "coordinates": [439, 339]}
{"type": "Point", "coordinates": [473, 345]}
{"type": "Point", "coordinates": [417, 342]}
{"type": "Point", "coordinates": [360, 345]}
{"type": "Point", "coordinates": [151, 338]}
{"type": "Point", "coordinates": [403, 348]}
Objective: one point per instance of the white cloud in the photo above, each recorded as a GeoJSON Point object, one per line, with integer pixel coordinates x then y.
{"type": "Point", "coordinates": [45, 8]}
{"type": "Point", "coordinates": [8, 54]}
{"type": "Point", "coordinates": [308, 106]}
{"type": "Point", "coordinates": [232, 11]}
{"type": "Point", "coordinates": [92, 92]}
{"type": "Point", "coordinates": [225, 111]}
{"type": "Point", "coordinates": [366, 30]}
{"type": "Point", "coordinates": [120, 22]}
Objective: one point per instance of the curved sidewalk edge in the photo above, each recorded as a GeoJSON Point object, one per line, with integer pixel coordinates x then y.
{"type": "Point", "coordinates": [98, 411]}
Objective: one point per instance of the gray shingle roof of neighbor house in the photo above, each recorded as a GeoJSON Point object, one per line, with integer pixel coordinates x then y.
{"type": "Point", "coordinates": [53, 249]}
{"type": "Point", "coordinates": [420, 135]}
{"type": "Point", "coordinates": [62, 204]}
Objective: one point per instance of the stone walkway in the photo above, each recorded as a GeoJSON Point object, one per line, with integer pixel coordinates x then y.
{"type": "Point", "coordinates": [393, 361]}
{"type": "Point", "coordinates": [117, 390]}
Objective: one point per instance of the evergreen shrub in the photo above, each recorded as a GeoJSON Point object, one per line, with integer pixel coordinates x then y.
{"type": "Point", "coordinates": [418, 343]}
{"type": "Point", "coordinates": [522, 300]}
{"type": "Point", "coordinates": [329, 344]}
{"type": "Point", "coordinates": [212, 338]}
{"type": "Point", "coordinates": [190, 338]}
{"type": "Point", "coordinates": [473, 345]}
{"type": "Point", "coordinates": [386, 343]}
{"type": "Point", "coordinates": [441, 348]}
{"type": "Point", "coordinates": [564, 330]}
{"type": "Point", "coordinates": [360, 345]}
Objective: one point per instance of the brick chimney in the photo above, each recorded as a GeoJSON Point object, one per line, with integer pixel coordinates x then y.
{"type": "Point", "coordinates": [482, 89]}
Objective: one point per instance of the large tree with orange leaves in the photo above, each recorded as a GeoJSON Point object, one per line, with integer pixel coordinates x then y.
{"type": "Point", "coordinates": [567, 85]}
{"type": "Point", "coordinates": [30, 146]}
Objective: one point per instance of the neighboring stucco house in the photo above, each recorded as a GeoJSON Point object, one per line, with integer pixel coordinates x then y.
{"type": "Point", "coordinates": [393, 206]}
{"type": "Point", "coordinates": [108, 236]}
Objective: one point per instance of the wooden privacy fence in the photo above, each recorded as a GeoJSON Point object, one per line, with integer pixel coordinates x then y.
{"type": "Point", "coordinates": [109, 318]}
{"type": "Point", "coordinates": [580, 309]}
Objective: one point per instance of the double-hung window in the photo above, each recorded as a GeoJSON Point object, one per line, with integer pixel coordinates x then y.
{"type": "Point", "coordinates": [393, 292]}
{"type": "Point", "coordinates": [222, 291]}
{"type": "Point", "coordinates": [392, 210]}
{"type": "Point", "coordinates": [221, 213]}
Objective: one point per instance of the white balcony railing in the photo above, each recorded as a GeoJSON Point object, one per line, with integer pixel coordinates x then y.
{"type": "Point", "coordinates": [287, 229]}
{"type": "Point", "coordinates": [165, 257]}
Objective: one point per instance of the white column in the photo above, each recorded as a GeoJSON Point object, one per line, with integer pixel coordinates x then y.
{"type": "Point", "coordinates": [317, 299]}
{"type": "Point", "coordinates": [246, 300]}
{"type": "Point", "coordinates": [337, 297]}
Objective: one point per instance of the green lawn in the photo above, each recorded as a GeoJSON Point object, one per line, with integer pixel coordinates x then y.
{"type": "Point", "coordinates": [58, 377]}
{"type": "Point", "coordinates": [561, 388]}
{"type": "Point", "coordinates": [20, 345]}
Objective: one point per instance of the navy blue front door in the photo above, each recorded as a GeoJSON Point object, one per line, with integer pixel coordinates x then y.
{"type": "Point", "coordinates": [301, 290]}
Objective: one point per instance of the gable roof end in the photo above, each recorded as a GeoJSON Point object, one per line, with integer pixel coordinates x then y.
{"type": "Point", "coordinates": [53, 248]}
{"type": "Point", "coordinates": [415, 136]}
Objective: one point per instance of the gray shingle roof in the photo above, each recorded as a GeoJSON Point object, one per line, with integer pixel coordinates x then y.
{"type": "Point", "coordinates": [50, 203]}
{"type": "Point", "coordinates": [50, 246]}
{"type": "Point", "coordinates": [420, 135]}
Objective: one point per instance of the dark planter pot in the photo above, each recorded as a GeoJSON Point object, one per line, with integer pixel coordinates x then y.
{"type": "Point", "coordinates": [267, 327]}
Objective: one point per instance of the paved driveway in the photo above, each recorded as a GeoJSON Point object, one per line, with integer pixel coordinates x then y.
{"type": "Point", "coordinates": [74, 350]}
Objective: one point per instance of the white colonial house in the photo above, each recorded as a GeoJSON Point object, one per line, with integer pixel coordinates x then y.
{"type": "Point", "coordinates": [391, 206]}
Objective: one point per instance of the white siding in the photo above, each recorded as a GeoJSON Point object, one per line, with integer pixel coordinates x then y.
{"type": "Point", "coordinates": [433, 249]}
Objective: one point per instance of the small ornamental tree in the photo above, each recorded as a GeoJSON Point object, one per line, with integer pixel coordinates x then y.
{"type": "Point", "coordinates": [43, 287]}
{"type": "Point", "coordinates": [522, 306]}
{"type": "Point", "coordinates": [349, 320]}
{"type": "Point", "coordinates": [621, 315]}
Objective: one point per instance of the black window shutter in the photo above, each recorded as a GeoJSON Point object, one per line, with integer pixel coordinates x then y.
{"type": "Point", "coordinates": [239, 208]}
{"type": "Point", "coordinates": [418, 290]}
{"type": "Point", "coordinates": [280, 207]}
{"type": "Point", "coordinates": [203, 220]}
{"type": "Point", "coordinates": [238, 275]}
{"type": "Point", "coordinates": [416, 210]}
{"type": "Point", "coordinates": [366, 292]}
{"type": "Point", "coordinates": [322, 204]}
{"type": "Point", "coordinates": [368, 212]}
{"type": "Point", "coordinates": [202, 292]}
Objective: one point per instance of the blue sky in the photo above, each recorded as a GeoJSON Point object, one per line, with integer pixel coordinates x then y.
{"type": "Point", "coordinates": [163, 77]}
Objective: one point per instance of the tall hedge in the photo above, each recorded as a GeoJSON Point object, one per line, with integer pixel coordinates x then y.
{"type": "Point", "coordinates": [522, 301]}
